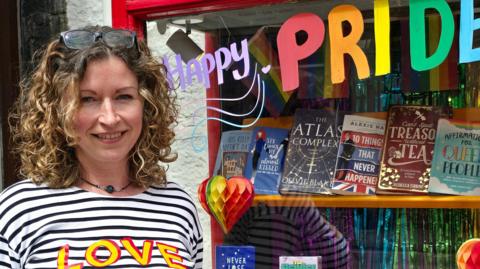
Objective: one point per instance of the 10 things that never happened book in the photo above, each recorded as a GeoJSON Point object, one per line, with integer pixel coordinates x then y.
{"type": "Point", "coordinates": [408, 149]}
{"type": "Point", "coordinates": [312, 152]}
{"type": "Point", "coordinates": [358, 158]}
{"type": "Point", "coordinates": [234, 257]}
{"type": "Point", "coordinates": [456, 159]}
{"type": "Point", "coordinates": [265, 159]}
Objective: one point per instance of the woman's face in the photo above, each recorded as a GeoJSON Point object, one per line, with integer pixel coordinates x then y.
{"type": "Point", "coordinates": [109, 120]}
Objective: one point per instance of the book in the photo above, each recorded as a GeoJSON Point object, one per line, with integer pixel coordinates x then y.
{"type": "Point", "coordinates": [232, 153]}
{"type": "Point", "coordinates": [311, 152]}
{"type": "Point", "coordinates": [266, 158]}
{"type": "Point", "coordinates": [300, 262]}
{"type": "Point", "coordinates": [408, 149]}
{"type": "Point", "coordinates": [358, 158]}
{"type": "Point", "coordinates": [234, 257]}
{"type": "Point", "coordinates": [456, 158]}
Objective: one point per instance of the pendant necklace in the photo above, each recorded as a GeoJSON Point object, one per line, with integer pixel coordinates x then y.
{"type": "Point", "coordinates": [109, 188]}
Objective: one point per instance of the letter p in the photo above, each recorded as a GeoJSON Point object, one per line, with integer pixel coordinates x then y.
{"type": "Point", "coordinates": [289, 52]}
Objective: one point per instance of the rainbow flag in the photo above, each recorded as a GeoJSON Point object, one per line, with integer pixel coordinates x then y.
{"type": "Point", "coordinates": [311, 76]}
{"type": "Point", "coordinates": [263, 54]}
{"type": "Point", "coordinates": [315, 76]}
{"type": "Point", "coordinates": [330, 90]}
{"type": "Point", "coordinates": [444, 76]}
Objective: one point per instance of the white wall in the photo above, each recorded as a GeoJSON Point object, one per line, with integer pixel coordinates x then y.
{"type": "Point", "coordinates": [192, 166]}
{"type": "Point", "coordinates": [88, 12]}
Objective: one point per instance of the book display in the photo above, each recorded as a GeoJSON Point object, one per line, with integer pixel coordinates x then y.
{"type": "Point", "coordinates": [266, 158]}
{"type": "Point", "coordinates": [311, 154]}
{"type": "Point", "coordinates": [408, 150]}
{"type": "Point", "coordinates": [456, 159]}
{"type": "Point", "coordinates": [235, 257]}
{"type": "Point", "coordinates": [379, 107]}
{"type": "Point", "coordinates": [358, 158]}
{"type": "Point", "coordinates": [232, 153]}
{"type": "Point", "coordinates": [297, 262]}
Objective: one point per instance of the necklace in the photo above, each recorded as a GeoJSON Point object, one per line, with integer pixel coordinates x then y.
{"type": "Point", "coordinates": [108, 188]}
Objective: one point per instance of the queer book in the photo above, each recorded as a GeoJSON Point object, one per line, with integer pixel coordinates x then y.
{"type": "Point", "coordinates": [408, 149]}
{"type": "Point", "coordinates": [235, 257]}
{"type": "Point", "coordinates": [358, 158]}
{"type": "Point", "coordinates": [456, 159]}
{"type": "Point", "coordinates": [312, 152]}
{"type": "Point", "coordinates": [265, 159]}
{"type": "Point", "coordinates": [232, 153]}
{"type": "Point", "coordinates": [300, 262]}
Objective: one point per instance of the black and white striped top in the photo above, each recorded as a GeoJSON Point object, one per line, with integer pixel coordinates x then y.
{"type": "Point", "coordinates": [57, 228]}
{"type": "Point", "coordinates": [299, 230]}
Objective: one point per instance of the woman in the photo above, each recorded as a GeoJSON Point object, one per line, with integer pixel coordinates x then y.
{"type": "Point", "coordinates": [91, 127]}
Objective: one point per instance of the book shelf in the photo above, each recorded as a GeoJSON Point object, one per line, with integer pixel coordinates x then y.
{"type": "Point", "coordinates": [377, 201]}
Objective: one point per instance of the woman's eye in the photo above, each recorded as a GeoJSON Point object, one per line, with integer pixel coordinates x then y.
{"type": "Point", "coordinates": [124, 97]}
{"type": "Point", "coordinates": [87, 99]}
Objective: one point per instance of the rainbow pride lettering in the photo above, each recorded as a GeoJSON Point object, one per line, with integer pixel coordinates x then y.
{"type": "Point", "coordinates": [290, 53]}
{"type": "Point", "coordinates": [169, 253]}
{"type": "Point", "coordinates": [233, 58]}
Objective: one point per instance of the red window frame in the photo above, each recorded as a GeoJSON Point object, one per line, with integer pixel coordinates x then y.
{"type": "Point", "coordinates": [132, 14]}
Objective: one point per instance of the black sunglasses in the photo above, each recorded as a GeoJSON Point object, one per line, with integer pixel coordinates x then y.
{"type": "Point", "coordinates": [81, 39]}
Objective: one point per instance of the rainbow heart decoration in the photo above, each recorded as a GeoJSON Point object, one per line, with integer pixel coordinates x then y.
{"type": "Point", "coordinates": [468, 255]}
{"type": "Point", "coordinates": [226, 199]}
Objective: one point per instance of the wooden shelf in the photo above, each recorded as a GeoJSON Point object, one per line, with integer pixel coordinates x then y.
{"type": "Point", "coordinates": [378, 201]}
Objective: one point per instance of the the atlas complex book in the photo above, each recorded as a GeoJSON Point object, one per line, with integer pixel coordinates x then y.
{"type": "Point", "coordinates": [265, 159]}
{"type": "Point", "coordinates": [235, 257]}
{"type": "Point", "coordinates": [456, 160]}
{"type": "Point", "coordinates": [312, 152]}
{"type": "Point", "coordinates": [408, 150]}
{"type": "Point", "coordinates": [232, 153]}
{"type": "Point", "coordinates": [300, 262]}
{"type": "Point", "coordinates": [359, 153]}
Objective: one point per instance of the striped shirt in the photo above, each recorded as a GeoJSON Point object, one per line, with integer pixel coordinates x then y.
{"type": "Point", "coordinates": [289, 231]}
{"type": "Point", "coordinates": [73, 228]}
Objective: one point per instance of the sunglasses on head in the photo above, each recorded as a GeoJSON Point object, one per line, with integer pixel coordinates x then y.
{"type": "Point", "coordinates": [115, 38]}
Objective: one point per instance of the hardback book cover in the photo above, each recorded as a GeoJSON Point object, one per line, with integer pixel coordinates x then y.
{"type": "Point", "coordinates": [232, 153]}
{"type": "Point", "coordinates": [312, 152]}
{"type": "Point", "coordinates": [265, 158]}
{"type": "Point", "coordinates": [234, 257]}
{"type": "Point", "coordinates": [456, 158]}
{"type": "Point", "coordinates": [408, 149]}
{"type": "Point", "coordinates": [358, 158]}
{"type": "Point", "coordinates": [300, 262]}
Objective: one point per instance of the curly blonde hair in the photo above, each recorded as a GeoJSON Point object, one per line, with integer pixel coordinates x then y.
{"type": "Point", "coordinates": [42, 119]}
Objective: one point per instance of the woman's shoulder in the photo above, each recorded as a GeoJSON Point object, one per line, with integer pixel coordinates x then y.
{"type": "Point", "coordinates": [170, 188]}
{"type": "Point", "coordinates": [171, 191]}
{"type": "Point", "coordinates": [25, 194]}
{"type": "Point", "coordinates": [21, 189]}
